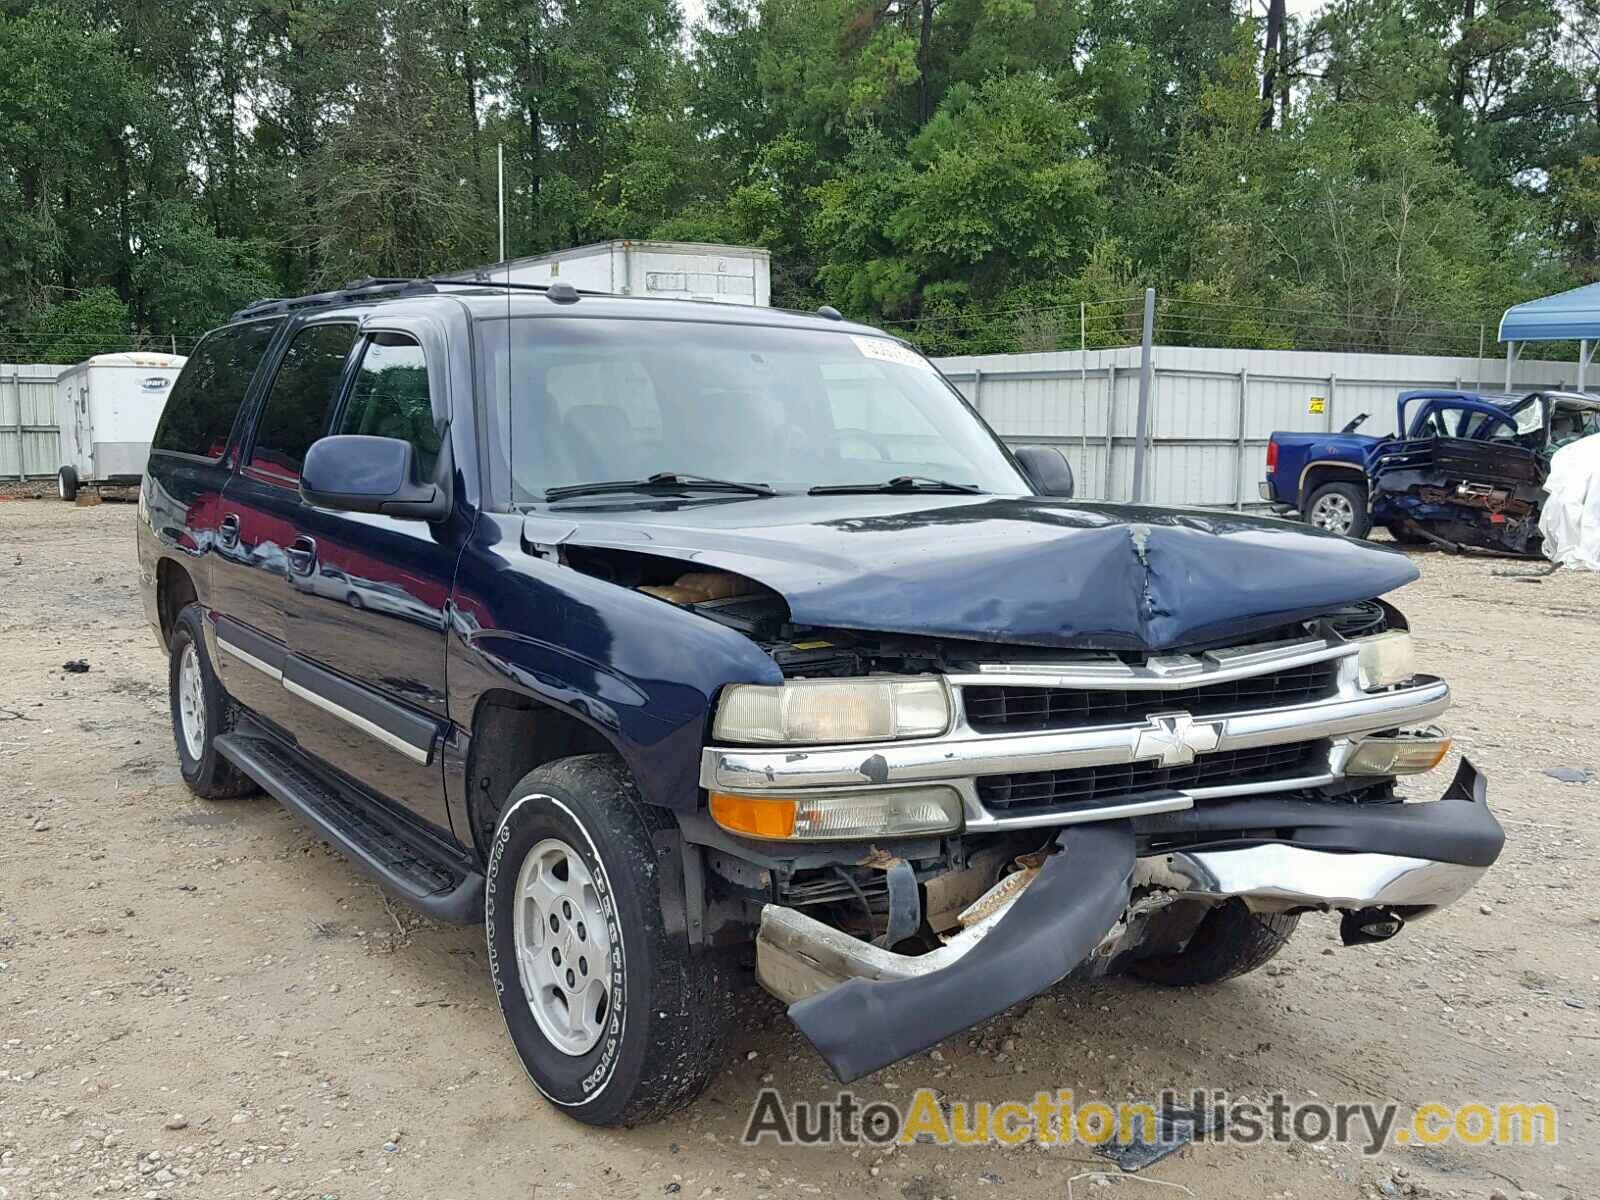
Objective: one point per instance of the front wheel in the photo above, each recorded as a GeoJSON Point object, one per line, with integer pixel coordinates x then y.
{"type": "Point", "coordinates": [67, 483]}
{"type": "Point", "coordinates": [1339, 508]}
{"type": "Point", "coordinates": [615, 1021]}
{"type": "Point", "coordinates": [1405, 535]}
{"type": "Point", "coordinates": [1230, 940]}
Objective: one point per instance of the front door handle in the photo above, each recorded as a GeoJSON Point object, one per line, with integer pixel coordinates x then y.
{"type": "Point", "coordinates": [228, 530]}
{"type": "Point", "coordinates": [302, 555]}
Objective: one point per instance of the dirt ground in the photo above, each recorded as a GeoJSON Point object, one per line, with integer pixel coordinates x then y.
{"type": "Point", "coordinates": [169, 962]}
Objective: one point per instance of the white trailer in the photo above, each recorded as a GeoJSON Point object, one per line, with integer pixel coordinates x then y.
{"type": "Point", "coordinates": [675, 270]}
{"type": "Point", "coordinates": [107, 408]}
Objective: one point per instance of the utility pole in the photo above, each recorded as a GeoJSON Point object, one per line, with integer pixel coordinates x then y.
{"type": "Point", "coordinates": [500, 156]}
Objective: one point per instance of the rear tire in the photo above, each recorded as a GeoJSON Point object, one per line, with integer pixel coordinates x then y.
{"type": "Point", "coordinates": [573, 879]}
{"type": "Point", "coordinates": [67, 483]}
{"type": "Point", "coordinates": [1229, 941]}
{"type": "Point", "coordinates": [201, 711]}
{"type": "Point", "coordinates": [1339, 508]}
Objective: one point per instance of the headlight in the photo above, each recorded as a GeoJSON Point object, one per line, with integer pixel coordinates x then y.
{"type": "Point", "coordinates": [821, 711]}
{"type": "Point", "coordinates": [840, 816]}
{"type": "Point", "coordinates": [1385, 659]}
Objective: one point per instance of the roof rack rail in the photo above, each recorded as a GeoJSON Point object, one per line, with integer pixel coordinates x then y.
{"type": "Point", "coordinates": [355, 291]}
{"type": "Point", "coordinates": [374, 288]}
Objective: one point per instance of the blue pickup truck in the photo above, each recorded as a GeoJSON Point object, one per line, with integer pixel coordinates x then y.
{"type": "Point", "coordinates": [1462, 469]}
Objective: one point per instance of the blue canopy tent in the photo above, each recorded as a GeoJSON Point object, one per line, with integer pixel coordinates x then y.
{"type": "Point", "coordinates": [1565, 317]}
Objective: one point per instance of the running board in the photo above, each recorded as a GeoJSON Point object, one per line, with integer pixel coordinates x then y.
{"type": "Point", "coordinates": [407, 862]}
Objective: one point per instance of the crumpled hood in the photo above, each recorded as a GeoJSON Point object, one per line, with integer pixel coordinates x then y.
{"type": "Point", "coordinates": [1026, 570]}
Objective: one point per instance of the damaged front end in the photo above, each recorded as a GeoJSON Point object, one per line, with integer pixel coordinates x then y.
{"type": "Point", "coordinates": [1459, 493]}
{"type": "Point", "coordinates": [1108, 894]}
{"type": "Point", "coordinates": [1072, 815]}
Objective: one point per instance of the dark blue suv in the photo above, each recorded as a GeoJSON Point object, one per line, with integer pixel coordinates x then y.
{"type": "Point", "coordinates": [665, 639]}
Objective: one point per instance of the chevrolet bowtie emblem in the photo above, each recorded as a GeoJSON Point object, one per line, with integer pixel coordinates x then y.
{"type": "Point", "coordinates": [1175, 738]}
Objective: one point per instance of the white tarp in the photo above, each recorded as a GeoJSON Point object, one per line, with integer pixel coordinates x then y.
{"type": "Point", "coordinates": [1570, 520]}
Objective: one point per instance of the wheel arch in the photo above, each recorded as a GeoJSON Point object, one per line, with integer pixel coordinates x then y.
{"type": "Point", "coordinates": [1318, 473]}
{"type": "Point", "coordinates": [513, 733]}
{"type": "Point", "coordinates": [174, 590]}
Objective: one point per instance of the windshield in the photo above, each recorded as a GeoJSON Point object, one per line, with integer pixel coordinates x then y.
{"type": "Point", "coordinates": [590, 400]}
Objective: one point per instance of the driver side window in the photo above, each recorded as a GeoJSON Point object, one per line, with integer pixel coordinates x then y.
{"type": "Point", "coordinates": [390, 398]}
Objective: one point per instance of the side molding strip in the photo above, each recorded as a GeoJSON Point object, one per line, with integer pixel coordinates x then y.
{"type": "Point", "coordinates": [395, 726]}
{"type": "Point", "coordinates": [249, 660]}
{"type": "Point", "coordinates": [393, 741]}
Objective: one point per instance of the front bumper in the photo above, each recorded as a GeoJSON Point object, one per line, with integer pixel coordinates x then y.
{"type": "Point", "coordinates": [964, 755]}
{"type": "Point", "coordinates": [864, 1007]}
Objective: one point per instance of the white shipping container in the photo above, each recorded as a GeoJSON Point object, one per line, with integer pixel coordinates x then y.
{"type": "Point", "coordinates": [673, 270]}
{"type": "Point", "coordinates": [107, 408]}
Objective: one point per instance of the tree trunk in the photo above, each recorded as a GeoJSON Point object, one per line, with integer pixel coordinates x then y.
{"type": "Point", "coordinates": [1458, 94]}
{"type": "Point", "coordinates": [924, 91]}
{"type": "Point", "coordinates": [469, 76]}
{"type": "Point", "coordinates": [1269, 61]}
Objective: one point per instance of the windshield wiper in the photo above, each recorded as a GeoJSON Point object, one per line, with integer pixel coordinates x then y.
{"type": "Point", "coordinates": [900, 483]}
{"type": "Point", "coordinates": [673, 481]}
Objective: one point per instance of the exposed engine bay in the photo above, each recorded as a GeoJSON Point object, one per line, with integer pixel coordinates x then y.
{"type": "Point", "coordinates": [1462, 494]}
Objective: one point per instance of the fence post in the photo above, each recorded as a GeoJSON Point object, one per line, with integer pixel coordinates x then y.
{"type": "Point", "coordinates": [1111, 423]}
{"type": "Point", "coordinates": [1477, 384]}
{"type": "Point", "coordinates": [16, 388]}
{"type": "Point", "coordinates": [1238, 466]}
{"type": "Point", "coordinates": [977, 390]}
{"type": "Point", "coordinates": [1146, 380]}
{"type": "Point", "coordinates": [1333, 387]}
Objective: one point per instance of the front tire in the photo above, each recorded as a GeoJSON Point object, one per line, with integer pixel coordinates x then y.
{"type": "Point", "coordinates": [67, 483]}
{"type": "Point", "coordinates": [1229, 941]}
{"type": "Point", "coordinates": [1339, 508]}
{"type": "Point", "coordinates": [614, 1020]}
{"type": "Point", "coordinates": [1404, 535]}
{"type": "Point", "coordinates": [201, 711]}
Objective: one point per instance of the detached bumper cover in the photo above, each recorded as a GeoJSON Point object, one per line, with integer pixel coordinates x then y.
{"type": "Point", "coordinates": [863, 1007]}
{"type": "Point", "coordinates": [1079, 893]}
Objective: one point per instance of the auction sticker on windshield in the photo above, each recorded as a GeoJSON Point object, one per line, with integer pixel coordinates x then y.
{"type": "Point", "coordinates": [884, 350]}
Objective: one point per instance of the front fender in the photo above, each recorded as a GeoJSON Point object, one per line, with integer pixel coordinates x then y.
{"type": "Point", "coordinates": [640, 671]}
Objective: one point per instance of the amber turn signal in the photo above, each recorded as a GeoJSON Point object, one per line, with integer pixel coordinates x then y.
{"type": "Point", "coordinates": [752, 816]}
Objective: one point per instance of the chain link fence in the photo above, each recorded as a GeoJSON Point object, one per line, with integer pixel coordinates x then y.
{"type": "Point", "coordinates": [1184, 321]}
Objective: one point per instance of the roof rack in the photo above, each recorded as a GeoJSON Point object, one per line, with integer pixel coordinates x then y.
{"type": "Point", "coordinates": [373, 288]}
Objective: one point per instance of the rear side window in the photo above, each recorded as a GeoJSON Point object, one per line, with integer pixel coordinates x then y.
{"type": "Point", "coordinates": [390, 398]}
{"type": "Point", "coordinates": [199, 414]}
{"type": "Point", "coordinates": [302, 397]}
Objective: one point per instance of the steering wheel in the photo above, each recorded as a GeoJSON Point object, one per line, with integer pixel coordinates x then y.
{"type": "Point", "coordinates": [845, 434]}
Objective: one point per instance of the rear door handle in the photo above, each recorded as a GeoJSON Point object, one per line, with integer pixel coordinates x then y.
{"type": "Point", "coordinates": [228, 530]}
{"type": "Point", "coordinates": [302, 555]}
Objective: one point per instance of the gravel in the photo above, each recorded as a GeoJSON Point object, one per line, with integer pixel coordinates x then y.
{"type": "Point", "coordinates": [203, 1000]}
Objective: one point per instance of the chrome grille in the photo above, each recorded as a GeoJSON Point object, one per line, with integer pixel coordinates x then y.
{"type": "Point", "coordinates": [1093, 786]}
{"type": "Point", "coordinates": [1028, 709]}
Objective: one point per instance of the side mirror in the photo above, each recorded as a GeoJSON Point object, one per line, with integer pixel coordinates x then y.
{"type": "Point", "coordinates": [1047, 469]}
{"type": "Point", "coordinates": [356, 473]}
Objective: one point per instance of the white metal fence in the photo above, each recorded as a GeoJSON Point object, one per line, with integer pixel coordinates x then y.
{"type": "Point", "coordinates": [29, 439]}
{"type": "Point", "coordinates": [1211, 410]}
